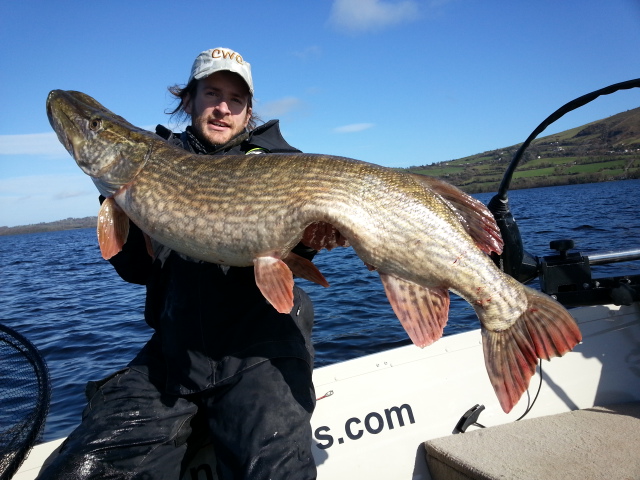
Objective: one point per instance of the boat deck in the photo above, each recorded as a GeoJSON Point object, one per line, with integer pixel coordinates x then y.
{"type": "Point", "coordinates": [594, 443]}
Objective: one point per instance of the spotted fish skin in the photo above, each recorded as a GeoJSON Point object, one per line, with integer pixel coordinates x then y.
{"type": "Point", "coordinates": [424, 237]}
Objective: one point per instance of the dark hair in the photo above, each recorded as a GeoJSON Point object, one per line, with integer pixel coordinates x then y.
{"type": "Point", "coordinates": [182, 92]}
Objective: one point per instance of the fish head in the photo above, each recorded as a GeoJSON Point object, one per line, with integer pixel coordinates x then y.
{"type": "Point", "coordinates": [104, 145]}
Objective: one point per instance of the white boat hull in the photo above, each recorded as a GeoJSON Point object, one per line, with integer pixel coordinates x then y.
{"type": "Point", "coordinates": [440, 383]}
{"type": "Point", "coordinates": [377, 410]}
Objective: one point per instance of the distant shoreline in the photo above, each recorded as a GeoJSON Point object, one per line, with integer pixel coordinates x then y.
{"type": "Point", "coordinates": [67, 224]}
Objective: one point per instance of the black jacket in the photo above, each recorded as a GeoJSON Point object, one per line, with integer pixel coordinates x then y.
{"type": "Point", "coordinates": [211, 322]}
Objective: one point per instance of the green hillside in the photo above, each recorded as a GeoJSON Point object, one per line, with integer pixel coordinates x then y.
{"type": "Point", "coordinates": [604, 150]}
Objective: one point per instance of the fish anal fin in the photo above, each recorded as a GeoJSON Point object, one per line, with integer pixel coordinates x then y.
{"type": "Point", "coordinates": [113, 228]}
{"type": "Point", "coordinates": [422, 311]}
{"type": "Point", "coordinates": [275, 281]}
{"type": "Point", "coordinates": [319, 235]}
{"type": "Point", "coordinates": [303, 268]}
{"type": "Point", "coordinates": [544, 330]}
{"type": "Point", "coordinates": [476, 218]}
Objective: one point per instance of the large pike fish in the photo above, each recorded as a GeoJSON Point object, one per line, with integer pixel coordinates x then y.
{"type": "Point", "coordinates": [423, 236]}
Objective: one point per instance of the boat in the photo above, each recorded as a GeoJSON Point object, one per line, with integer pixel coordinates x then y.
{"type": "Point", "coordinates": [431, 414]}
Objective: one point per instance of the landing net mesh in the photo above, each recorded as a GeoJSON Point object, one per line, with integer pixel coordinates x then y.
{"type": "Point", "coordinates": [24, 399]}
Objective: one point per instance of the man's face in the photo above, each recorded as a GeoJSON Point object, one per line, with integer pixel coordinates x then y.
{"type": "Point", "coordinates": [220, 109]}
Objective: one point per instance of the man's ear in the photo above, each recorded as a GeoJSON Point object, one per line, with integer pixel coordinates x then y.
{"type": "Point", "coordinates": [187, 104]}
{"type": "Point", "coordinates": [249, 113]}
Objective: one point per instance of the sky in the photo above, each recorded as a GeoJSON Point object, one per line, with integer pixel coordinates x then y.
{"type": "Point", "coordinates": [398, 83]}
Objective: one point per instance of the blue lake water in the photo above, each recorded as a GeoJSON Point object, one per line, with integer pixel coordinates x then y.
{"type": "Point", "coordinates": [58, 291]}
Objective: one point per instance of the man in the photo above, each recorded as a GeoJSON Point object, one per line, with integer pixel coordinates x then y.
{"type": "Point", "coordinates": [223, 366]}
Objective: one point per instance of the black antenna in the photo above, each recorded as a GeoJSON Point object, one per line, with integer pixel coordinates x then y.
{"type": "Point", "coordinates": [514, 260]}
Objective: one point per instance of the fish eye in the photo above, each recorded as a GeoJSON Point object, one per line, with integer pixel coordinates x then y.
{"type": "Point", "coordinates": [95, 124]}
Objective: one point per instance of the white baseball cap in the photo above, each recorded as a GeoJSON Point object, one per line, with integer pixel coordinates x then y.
{"type": "Point", "coordinates": [217, 59]}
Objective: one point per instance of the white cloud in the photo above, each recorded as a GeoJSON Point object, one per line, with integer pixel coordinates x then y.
{"type": "Point", "coordinates": [279, 108]}
{"type": "Point", "coordinates": [45, 144]}
{"type": "Point", "coordinates": [44, 198]}
{"type": "Point", "coordinates": [309, 52]}
{"type": "Point", "coordinates": [32, 144]}
{"type": "Point", "coordinates": [365, 15]}
{"type": "Point", "coordinates": [63, 195]}
{"type": "Point", "coordinates": [354, 127]}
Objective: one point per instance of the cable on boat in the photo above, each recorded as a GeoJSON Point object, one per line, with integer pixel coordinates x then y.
{"type": "Point", "coordinates": [533, 402]}
{"type": "Point", "coordinates": [470, 417]}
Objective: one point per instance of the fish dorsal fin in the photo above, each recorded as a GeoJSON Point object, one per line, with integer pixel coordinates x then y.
{"type": "Point", "coordinates": [319, 235]}
{"type": "Point", "coordinates": [303, 268]}
{"type": "Point", "coordinates": [275, 281]}
{"type": "Point", "coordinates": [113, 228]}
{"type": "Point", "coordinates": [422, 311]}
{"type": "Point", "coordinates": [478, 221]}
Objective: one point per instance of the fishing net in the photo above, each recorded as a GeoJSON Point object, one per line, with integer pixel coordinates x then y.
{"type": "Point", "coordinates": [24, 399]}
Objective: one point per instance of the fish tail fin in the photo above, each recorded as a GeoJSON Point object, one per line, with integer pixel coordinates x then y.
{"type": "Point", "coordinates": [544, 330]}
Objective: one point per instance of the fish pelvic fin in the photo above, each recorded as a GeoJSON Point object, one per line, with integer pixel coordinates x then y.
{"type": "Point", "coordinates": [319, 235]}
{"type": "Point", "coordinates": [113, 228]}
{"type": "Point", "coordinates": [544, 330]}
{"type": "Point", "coordinates": [275, 281]}
{"type": "Point", "coordinates": [422, 311]}
{"type": "Point", "coordinates": [303, 268]}
{"type": "Point", "coordinates": [476, 218]}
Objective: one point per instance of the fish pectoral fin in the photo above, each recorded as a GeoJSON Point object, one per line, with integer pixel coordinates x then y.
{"type": "Point", "coordinates": [113, 228]}
{"type": "Point", "coordinates": [275, 281]}
{"type": "Point", "coordinates": [544, 330]}
{"type": "Point", "coordinates": [422, 311]}
{"type": "Point", "coordinates": [303, 268]}
{"type": "Point", "coordinates": [476, 218]}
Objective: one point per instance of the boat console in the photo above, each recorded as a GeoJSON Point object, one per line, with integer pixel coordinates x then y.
{"type": "Point", "coordinates": [567, 277]}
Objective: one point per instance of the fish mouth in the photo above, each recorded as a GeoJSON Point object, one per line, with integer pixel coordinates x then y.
{"type": "Point", "coordinates": [61, 122]}
{"type": "Point", "coordinates": [50, 99]}
{"type": "Point", "coordinates": [63, 111]}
